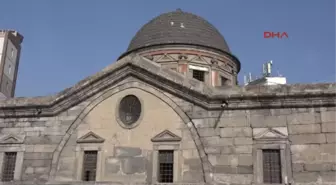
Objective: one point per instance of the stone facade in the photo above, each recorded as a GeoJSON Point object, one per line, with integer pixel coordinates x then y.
{"type": "Point", "coordinates": [217, 134]}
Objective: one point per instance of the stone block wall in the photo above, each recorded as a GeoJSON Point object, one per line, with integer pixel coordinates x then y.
{"type": "Point", "coordinates": [38, 138]}
{"type": "Point", "coordinates": [229, 142]}
{"type": "Point", "coordinates": [216, 144]}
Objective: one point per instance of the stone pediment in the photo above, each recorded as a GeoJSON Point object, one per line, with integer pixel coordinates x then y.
{"type": "Point", "coordinates": [11, 139]}
{"type": "Point", "coordinates": [166, 136]}
{"type": "Point", "coordinates": [270, 133]}
{"type": "Point", "coordinates": [90, 138]}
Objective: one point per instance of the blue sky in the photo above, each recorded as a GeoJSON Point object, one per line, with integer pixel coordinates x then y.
{"type": "Point", "coordinates": [66, 41]}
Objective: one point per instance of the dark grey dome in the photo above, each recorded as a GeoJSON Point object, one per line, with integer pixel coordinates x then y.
{"type": "Point", "coordinates": [178, 27]}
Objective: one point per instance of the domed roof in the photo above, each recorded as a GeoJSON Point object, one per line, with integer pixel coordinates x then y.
{"type": "Point", "coordinates": [178, 27]}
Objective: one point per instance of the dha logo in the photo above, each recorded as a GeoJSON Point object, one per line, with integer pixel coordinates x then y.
{"type": "Point", "coordinates": [280, 35]}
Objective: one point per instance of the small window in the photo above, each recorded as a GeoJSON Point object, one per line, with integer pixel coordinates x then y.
{"type": "Point", "coordinates": [89, 166]}
{"type": "Point", "coordinates": [199, 75]}
{"type": "Point", "coordinates": [272, 166]}
{"type": "Point", "coordinates": [166, 166]}
{"type": "Point", "coordinates": [9, 166]}
{"type": "Point", "coordinates": [12, 52]}
{"type": "Point", "coordinates": [9, 69]}
{"type": "Point", "coordinates": [174, 69]}
{"type": "Point", "coordinates": [224, 81]}
{"type": "Point", "coordinates": [7, 86]}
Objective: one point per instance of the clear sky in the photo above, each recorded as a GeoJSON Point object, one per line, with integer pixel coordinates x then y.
{"type": "Point", "coordinates": [66, 41]}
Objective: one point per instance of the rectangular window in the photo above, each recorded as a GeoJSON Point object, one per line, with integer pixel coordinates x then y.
{"type": "Point", "coordinates": [8, 166]}
{"type": "Point", "coordinates": [89, 165]}
{"type": "Point", "coordinates": [272, 166]}
{"type": "Point", "coordinates": [199, 75]}
{"type": "Point", "coordinates": [12, 52]}
{"type": "Point", "coordinates": [9, 69]}
{"type": "Point", "coordinates": [224, 81]}
{"type": "Point", "coordinates": [166, 166]}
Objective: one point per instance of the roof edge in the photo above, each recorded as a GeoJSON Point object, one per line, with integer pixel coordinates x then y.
{"type": "Point", "coordinates": [171, 81]}
{"type": "Point", "coordinates": [233, 57]}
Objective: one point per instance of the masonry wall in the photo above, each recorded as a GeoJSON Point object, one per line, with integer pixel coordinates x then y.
{"type": "Point", "coordinates": [225, 139]}
{"type": "Point", "coordinates": [229, 142]}
{"type": "Point", "coordinates": [50, 148]}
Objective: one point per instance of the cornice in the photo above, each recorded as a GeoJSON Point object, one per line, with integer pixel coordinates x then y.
{"type": "Point", "coordinates": [251, 97]}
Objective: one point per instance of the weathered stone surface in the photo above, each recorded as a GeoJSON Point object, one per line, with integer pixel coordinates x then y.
{"type": "Point", "coordinates": [328, 177]}
{"type": "Point", "coordinates": [324, 153]}
{"type": "Point", "coordinates": [233, 160]}
{"type": "Point", "coordinates": [241, 179]}
{"type": "Point", "coordinates": [192, 176]}
{"type": "Point", "coordinates": [304, 129]}
{"type": "Point", "coordinates": [236, 132]}
{"type": "Point", "coordinates": [242, 141]}
{"type": "Point", "coordinates": [41, 148]}
{"type": "Point", "coordinates": [233, 122]}
{"type": "Point", "coordinates": [207, 131]}
{"type": "Point", "coordinates": [226, 169]}
{"type": "Point", "coordinates": [204, 123]}
{"type": "Point", "coordinates": [112, 165]}
{"type": "Point", "coordinates": [29, 170]}
{"type": "Point", "coordinates": [318, 167]}
{"type": "Point", "coordinates": [212, 150]}
{"type": "Point", "coordinates": [331, 137]}
{"type": "Point", "coordinates": [37, 155]}
{"type": "Point", "coordinates": [328, 116]}
{"type": "Point", "coordinates": [132, 165]}
{"type": "Point", "coordinates": [42, 139]}
{"type": "Point", "coordinates": [308, 139]}
{"type": "Point", "coordinates": [268, 121]}
{"type": "Point", "coordinates": [298, 167]}
{"type": "Point", "coordinates": [37, 163]}
{"type": "Point", "coordinates": [329, 127]}
{"type": "Point", "coordinates": [193, 163]}
{"type": "Point", "coordinates": [22, 124]}
{"type": "Point", "coordinates": [127, 151]}
{"type": "Point", "coordinates": [301, 118]}
{"type": "Point", "coordinates": [42, 170]}
{"type": "Point", "coordinates": [306, 177]}
{"type": "Point", "coordinates": [243, 149]}
{"type": "Point", "coordinates": [33, 133]}
{"type": "Point", "coordinates": [216, 141]}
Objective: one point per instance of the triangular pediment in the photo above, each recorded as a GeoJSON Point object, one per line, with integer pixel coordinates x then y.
{"type": "Point", "coordinates": [199, 59]}
{"type": "Point", "coordinates": [165, 58]}
{"type": "Point", "coordinates": [11, 139]}
{"type": "Point", "coordinates": [90, 138]}
{"type": "Point", "coordinates": [270, 134]}
{"type": "Point", "coordinates": [166, 136]}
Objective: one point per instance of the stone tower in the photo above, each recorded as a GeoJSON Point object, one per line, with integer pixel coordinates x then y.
{"type": "Point", "coordinates": [188, 44]}
{"type": "Point", "coordinates": [10, 48]}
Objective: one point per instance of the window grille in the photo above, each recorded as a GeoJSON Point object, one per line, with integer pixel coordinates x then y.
{"type": "Point", "coordinates": [89, 166]}
{"type": "Point", "coordinates": [9, 166]}
{"type": "Point", "coordinates": [272, 166]}
{"type": "Point", "coordinates": [166, 166]}
{"type": "Point", "coordinates": [129, 109]}
{"type": "Point", "coordinates": [199, 75]}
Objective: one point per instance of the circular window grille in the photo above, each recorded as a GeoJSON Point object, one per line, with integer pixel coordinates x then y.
{"type": "Point", "coordinates": [129, 110]}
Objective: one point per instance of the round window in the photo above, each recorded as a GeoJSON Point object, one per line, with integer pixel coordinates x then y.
{"type": "Point", "coordinates": [129, 110]}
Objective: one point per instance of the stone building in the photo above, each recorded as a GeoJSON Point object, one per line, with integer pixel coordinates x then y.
{"type": "Point", "coordinates": [170, 111]}
{"type": "Point", "coordinates": [10, 49]}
